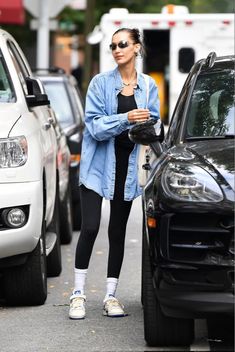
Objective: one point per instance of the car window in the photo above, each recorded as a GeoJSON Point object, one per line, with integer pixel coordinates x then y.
{"type": "Point", "coordinates": [60, 102]}
{"type": "Point", "coordinates": [76, 100]}
{"type": "Point", "coordinates": [20, 67]}
{"type": "Point", "coordinates": [211, 109]}
{"type": "Point", "coordinates": [7, 94]}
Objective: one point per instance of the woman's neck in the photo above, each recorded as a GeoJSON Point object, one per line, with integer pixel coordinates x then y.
{"type": "Point", "coordinates": [128, 73]}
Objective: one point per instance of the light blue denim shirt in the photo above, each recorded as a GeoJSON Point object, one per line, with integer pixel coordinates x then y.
{"type": "Point", "coordinates": [102, 125]}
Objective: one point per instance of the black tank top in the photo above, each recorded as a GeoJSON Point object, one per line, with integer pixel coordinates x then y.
{"type": "Point", "coordinates": [125, 104]}
{"type": "Point", "coordinates": [123, 147]}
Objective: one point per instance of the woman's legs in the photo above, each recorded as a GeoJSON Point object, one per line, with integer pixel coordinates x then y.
{"type": "Point", "coordinates": [91, 212]}
{"type": "Point", "coordinates": [119, 214]}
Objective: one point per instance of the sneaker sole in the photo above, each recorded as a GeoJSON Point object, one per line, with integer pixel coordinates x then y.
{"type": "Point", "coordinates": [113, 315]}
{"type": "Point", "coordinates": [76, 318]}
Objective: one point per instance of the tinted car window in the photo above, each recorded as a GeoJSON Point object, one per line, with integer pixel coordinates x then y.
{"type": "Point", "coordinates": [19, 64]}
{"type": "Point", "coordinates": [7, 94]}
{"type": "Point", "coordinates": [59, 99]}
{"type": "Point", "coordinates": [211, 110]}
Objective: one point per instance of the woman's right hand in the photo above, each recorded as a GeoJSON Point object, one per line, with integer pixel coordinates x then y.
{"type": "Point", "coordinates": [138, 115]}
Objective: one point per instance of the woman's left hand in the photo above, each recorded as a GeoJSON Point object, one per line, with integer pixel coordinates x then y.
{"type": "Point", "coordinates": [138, 115]}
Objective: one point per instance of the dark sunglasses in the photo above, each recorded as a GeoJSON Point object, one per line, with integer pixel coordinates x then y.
{"type": "Point", "coordinates": [122, 45]}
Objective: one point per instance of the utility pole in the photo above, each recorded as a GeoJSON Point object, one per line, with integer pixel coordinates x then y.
{"type": "Point", "coordinates": [89, 25]}
{"type": "Point", "coordinates": [43, 35]}
{"type": "Point", "coordinates": [43, 12]}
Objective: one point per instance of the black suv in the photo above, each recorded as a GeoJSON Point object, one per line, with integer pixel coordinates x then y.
{"type": "Point", "coordinates": [188, 207]}
{"type": "Point", "coordinates": [67, 102]}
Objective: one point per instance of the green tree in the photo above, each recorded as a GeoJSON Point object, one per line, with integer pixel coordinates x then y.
{"type": "Point", "coordinates": [213, 6]}
{"type": "Point", "coordinates": [148, 6]}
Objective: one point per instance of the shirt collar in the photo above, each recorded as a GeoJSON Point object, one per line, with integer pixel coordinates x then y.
{"type": "Point", "coordinates": [118, 80]}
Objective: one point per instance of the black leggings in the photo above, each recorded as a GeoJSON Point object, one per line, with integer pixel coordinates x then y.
{"type": "Point", "coordinates": [91, 213]}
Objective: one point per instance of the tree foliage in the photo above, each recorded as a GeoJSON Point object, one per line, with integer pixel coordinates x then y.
{"type": "Point", "coordinates": [27, 37]}
{"type": "Point", "coordinates": [148, 6]}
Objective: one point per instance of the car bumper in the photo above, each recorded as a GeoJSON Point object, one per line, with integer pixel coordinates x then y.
{"type": "Point", "coordinates": [194, 266]}
{"type": "Point", "coordinates": [194, 292]}
{"type": "Point", "coordinates": [195, 304]}
{"type": "Point", "coordinates": [24, 239]}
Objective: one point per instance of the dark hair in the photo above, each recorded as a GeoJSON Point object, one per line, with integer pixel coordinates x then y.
{"type": "Point", "coordinates": [135, 36]}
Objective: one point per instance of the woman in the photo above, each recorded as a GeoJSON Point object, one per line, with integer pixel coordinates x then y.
{"type": "Point", "coordinates": [115, 100]}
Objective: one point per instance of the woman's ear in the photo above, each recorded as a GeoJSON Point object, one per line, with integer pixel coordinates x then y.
{"type": "Point", "coordinates": [137, 49]}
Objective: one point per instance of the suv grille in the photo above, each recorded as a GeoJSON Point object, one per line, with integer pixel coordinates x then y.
{"type": "Point", "coordinates": [200, 238]}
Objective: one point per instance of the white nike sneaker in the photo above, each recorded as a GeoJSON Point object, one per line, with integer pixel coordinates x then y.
{"type": "Point", "coordinates": [77, 307]}
{"type": "Point", "coordinates": [113, 308]}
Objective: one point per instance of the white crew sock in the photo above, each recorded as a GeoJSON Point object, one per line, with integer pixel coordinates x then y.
{"type": "Point", "coordinates": [79, 281]}
{"type": "Point", "coordinates": [111, 287]}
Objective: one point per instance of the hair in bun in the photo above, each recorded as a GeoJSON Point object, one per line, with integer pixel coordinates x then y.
{"type": "Point", "coordinates": [135, 36]}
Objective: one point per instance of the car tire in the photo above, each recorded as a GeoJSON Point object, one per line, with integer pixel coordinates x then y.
{"type": "Point", "coordinates": [77, 216]}
{"type": "Point", "coordinates": [142, 268]}
{"type": "Point", "coordinates": [161, 330]}
{"type": "Point", "coordinates": [27, 284]}
{"type": "Point", "coordinates": [66, 219]}
{"type": "Point", "coordinates": [54, 265]}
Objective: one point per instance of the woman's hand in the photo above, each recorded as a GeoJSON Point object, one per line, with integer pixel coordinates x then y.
{"type": "Point", "coordinates": [138, 115]}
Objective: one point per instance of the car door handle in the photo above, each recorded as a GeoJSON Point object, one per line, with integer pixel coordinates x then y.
{"type": "Point", "coordinates": [51, 120]}
{"type": "Point", "coordinates": [146, 166]}
{"type": "Point", "coordinates": [47, 125]}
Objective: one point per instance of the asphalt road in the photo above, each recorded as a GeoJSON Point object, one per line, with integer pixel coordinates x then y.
{"type": "Point", "coordinates": [48, 328]}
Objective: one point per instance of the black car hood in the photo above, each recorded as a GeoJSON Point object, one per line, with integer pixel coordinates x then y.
{"type": "Point", "coordinates": [217, 154]}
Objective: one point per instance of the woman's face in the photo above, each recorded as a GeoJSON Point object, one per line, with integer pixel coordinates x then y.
{"type": "Point", "coordinates": [123, 48]}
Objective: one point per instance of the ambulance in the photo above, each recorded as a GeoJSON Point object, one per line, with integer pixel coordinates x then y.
{"type": "Point", "coordinates": [174, 40]}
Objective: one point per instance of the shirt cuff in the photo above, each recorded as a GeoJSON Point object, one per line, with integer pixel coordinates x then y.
{"type": "Point", "coordinates": [124, 119]}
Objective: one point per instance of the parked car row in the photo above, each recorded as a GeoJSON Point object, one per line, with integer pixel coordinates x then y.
{"type": "Point", "coordinates": [67, 102]}
{"type": "Point", "coordinates": [188, 207]}
{"type": "Point", "coordinates": [36, 208]}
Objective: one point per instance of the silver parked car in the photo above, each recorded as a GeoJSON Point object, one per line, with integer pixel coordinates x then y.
{"type": "Point", "coordinates": [67, 102]}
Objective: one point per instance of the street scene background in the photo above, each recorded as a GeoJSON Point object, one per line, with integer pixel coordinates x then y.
{"type": "Point", "coordinates": [48, 327]}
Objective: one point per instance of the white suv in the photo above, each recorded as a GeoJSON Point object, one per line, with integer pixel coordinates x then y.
{"type": "Point", "coordinates": [29, 232]}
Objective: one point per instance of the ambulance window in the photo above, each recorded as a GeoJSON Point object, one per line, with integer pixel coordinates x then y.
{"type": "Point", "coordinates": [186, 59]}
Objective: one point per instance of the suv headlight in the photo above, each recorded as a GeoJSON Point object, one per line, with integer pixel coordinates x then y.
{"type": "Point", "coordinates": [13, 152]}
{"type": "Point", "coordinates": [187, 182]}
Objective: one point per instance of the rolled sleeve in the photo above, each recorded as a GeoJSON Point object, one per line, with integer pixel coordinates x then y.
{"type": "Point", "coordinates": [101, 125]}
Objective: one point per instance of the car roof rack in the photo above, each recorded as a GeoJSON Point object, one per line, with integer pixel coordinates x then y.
{"type": "Point", "coordinates": [210, 60]}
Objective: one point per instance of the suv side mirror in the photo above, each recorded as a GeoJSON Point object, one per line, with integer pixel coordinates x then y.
{"type": "Point", "coordinates": [36, 95]}
{"type": "Point", "coordinates": [147, 132]}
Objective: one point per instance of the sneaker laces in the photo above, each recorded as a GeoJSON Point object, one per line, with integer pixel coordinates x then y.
{"type": "Point", "coordinates": [113, 302]}
{"type": "Point", "coordinates": [78, 302]}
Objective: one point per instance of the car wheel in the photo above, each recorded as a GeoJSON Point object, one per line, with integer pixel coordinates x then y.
{"type": "Point", "coordinates": [77, 216]}
{"type": "Point", "coordinates": [54, 266]}
{"type": "Point", "coordinates": [161, 330]}
{"type": "Point", "coordinates": [27, 284]}
{"type": "Point", "coordinates": [66, 219]}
